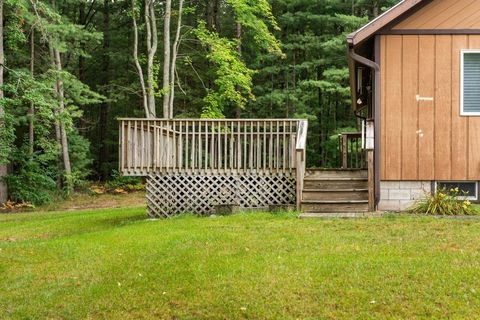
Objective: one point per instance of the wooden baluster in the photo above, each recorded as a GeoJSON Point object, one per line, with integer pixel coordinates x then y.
{"type": "Point", "coordinates": [225, 145]}
{"type": "Point", "coordinates": [153, 126]}
{"type": "Point", "coordinates": [213, 158]}
{"type": "Point", "coordinates": [167, 145]}
{"type": "Point", "coordinates": [278, 146]}
{"type": "Point", "coordinates": [135, 147]}
{"type": "Point", "coordinates": [270, 147]}
{"type": "Point", "coordinates": [206, 147]}
{"type": "Point", "coordinates": [174, 146]}
{"type": "Point", "coordinates": [180, 146]}
{"type": "Point", "coordinates": [199, 155]}
{"type": "Point", "coordinates": [161, 150]}
{"type": "Point", "coordinates": [122, 144]}
{"type": "Point", "coordinates": [344, 151]}
{"type": "Point", "coordinates": [245, 146]}
{"type": "Point", "coordinates": [264, 145]}
{"type": "Point", "coordinates": [284, 147]}
{"type": "Point", "coordinates": [232, 147]}
{"type": "Point", "coordinates": [250, 155]}
{"type": "Point", "coordinates": [192, 151]}
{"type": "Point", "coordinates": [259, 148]}
{"type": "Point", "coordinates": [239, 145]}
{"type": "Point", "coordinates": [289, 143]}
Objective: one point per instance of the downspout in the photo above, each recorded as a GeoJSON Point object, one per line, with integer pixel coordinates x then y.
{"type": "Point", "coordinates": [376, 112]}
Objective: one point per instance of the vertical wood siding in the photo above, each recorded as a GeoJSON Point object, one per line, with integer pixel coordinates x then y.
{"type": "Point", "coordinates": [444, 14]}
{"type": "Point", "coordinates": [426, 140]}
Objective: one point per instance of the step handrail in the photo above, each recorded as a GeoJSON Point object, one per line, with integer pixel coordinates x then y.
{"type": "Point", "coordinates": [301, 159]}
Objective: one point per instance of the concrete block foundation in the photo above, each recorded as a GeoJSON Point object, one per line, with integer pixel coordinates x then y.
{"type": "Point", "coordinates": [401, 195]}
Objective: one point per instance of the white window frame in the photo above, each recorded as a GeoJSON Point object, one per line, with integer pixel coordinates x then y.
{"type": "Point", "coordinates": [462, 54]}
{"type": "Point", "coordinates": [473, 198]}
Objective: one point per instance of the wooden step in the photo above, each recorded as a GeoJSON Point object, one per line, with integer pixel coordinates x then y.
{"type": "Point", "coordinates": [335, 194]}
{"type": "Point", "coordinates": [323, 206]}
{"type": "Point", "coordinates": [335, 183]}
{"type": "Point", "coordinates": [336, 173]}
{"type": "Point", "coordinates": [339, 215]}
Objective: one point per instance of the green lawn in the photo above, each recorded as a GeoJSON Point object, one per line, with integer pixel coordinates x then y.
{"type": "Point", "coordinates": [117, 264]}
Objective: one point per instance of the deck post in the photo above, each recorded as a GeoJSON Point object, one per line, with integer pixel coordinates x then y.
{"type": "Point", "coordinates": [371, 181]}
{"type": "Point", "coordinates": [300, 159]}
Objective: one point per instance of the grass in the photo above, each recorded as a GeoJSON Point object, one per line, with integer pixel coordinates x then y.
{"type": "Point", "coordinates": [116, 264]}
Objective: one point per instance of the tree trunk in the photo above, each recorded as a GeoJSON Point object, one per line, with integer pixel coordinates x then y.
{"type": "Point", "coordinates": [104, 108]}
{"type": "Point", "coordinates": [31, 110]}
{"type": "Point", "coordinates": [376, 9]}
{"type": "Point", "coordinates": [176, 45]}
{"type": "Point", "coordinates": [3, 167]}
{"type": "Point", "coordinates": [212, 15]}
{"type": "Point", "coordinates": [152, 41]}
{"type": "Point", "coordinates": [166, 59]}
{"type": "Point", "coordinates": [57, 64]}
{"type": "Point", "coordinates": [81, 59]}
{"type": "Point", "coordinates": [137, 62]}
{"type": "Point", "coordinates": [61, 108]}
{"type": "Point", "coordinates": [238, 27]}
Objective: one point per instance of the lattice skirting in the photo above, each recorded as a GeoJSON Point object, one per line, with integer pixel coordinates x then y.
{"type": "Point", "coordinates": [171, 194]}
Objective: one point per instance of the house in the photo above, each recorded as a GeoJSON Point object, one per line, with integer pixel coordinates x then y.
{"type": "Point", "coordinates": [415, 73]}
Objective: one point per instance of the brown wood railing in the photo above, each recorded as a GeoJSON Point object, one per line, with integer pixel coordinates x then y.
{"type": "Point", "coordinates": [211, 145]}
{"type": "Point", "coordinates": [351, 153]}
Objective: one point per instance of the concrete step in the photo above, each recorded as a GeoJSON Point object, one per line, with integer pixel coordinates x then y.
{"type": "Point", "coordinates": [335, 183]}
{"type": "Point", "coordinates": [335, 194]}
{"type": "Point", "coordinates": [339, 215]}
{"type": "Point", "coordinates": [324, 206]}
{"type": "Point", "coordinates": [336, 173]}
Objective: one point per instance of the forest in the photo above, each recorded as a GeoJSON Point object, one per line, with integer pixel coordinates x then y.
{"type": "Point", "coordinates": [70, 68]}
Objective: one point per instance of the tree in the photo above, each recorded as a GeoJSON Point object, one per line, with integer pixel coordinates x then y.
{"type": "Point", "coordinates": [173, 66]}
{"type": "Point", "coordinates": [152, 44]}
{"type": "Point", "coordinates": [3, 165]}
{"type": "Point", "coordinates": [166, 58]}
{"type": "Point", "coordinates": [137, 61]}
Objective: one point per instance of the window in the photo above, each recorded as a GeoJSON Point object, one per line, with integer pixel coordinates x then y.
{"type": "Point", "coordinates": [470, 83]}
{"type": "Point", "coordinates": [470, 188]}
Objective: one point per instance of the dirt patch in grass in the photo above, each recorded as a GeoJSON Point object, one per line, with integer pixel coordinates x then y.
{"type": "Point", "coordinates": [86, 201]}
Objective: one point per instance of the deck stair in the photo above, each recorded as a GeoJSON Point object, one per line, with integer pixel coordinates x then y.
{"type": "Point", "coordinates": [335, 191]}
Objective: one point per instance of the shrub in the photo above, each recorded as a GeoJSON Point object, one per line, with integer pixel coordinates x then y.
{"type": "Point", "coordinates": [119, 182]}
{"type": "Point", "coordinates": [445, 202]}
{"type": "Point", "coordinates": [30, 183]}
{"type": "Point", "coordinates": [81, 159]}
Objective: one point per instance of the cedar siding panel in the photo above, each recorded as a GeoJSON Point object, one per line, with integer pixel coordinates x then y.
{"type": "Point", "coordinates": [393, 107]}
{"type": "Point", "coordinates": [444, 14]}
{"type": "Point", "coordinates": [426, 110]}
{"type": "Point", "coordinates": [383, 104]}
{"type": "Point", "coordinates": [474, 130]}
{"type": "Point", "coordinates": [426, 140]}
{"type": "Point", "coordinates": [459, 124]}
{"type": "Point", "coordinates": [409, 107]}
{"type": "Point", "coordinates": [443, 107]}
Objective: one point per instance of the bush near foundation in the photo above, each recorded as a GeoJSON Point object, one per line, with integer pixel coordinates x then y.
{"type": "Point", "coordinates": [445, 202]}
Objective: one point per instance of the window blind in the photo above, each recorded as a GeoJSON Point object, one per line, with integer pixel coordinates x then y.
{"type": "Point", "coordinates": [471, 82]}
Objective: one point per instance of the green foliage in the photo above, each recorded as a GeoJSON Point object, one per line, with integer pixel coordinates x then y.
{"type": "Point", "coordinates": [81, 159]}
{"type": "Point", "coordinates": [256, 16]}
{"type": "Point", "coordinates": [233, 78]}
{"type": "Point", "coordinates": [123, 182]}
{"type": "Point", "coordinates": [32, 182]}
{"type": "Point", "coordinates": [445, 202]}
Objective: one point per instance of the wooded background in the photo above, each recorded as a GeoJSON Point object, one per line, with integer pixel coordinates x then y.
{"type": "Point", "coordinates": [69, 68]}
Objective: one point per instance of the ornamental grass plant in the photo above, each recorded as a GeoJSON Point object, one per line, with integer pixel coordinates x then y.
{"type": "Point", "coordinates": [449, 202]}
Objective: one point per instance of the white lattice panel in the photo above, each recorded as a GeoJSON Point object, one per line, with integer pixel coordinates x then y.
{"type": "Point", "coordinates": [171, 194]}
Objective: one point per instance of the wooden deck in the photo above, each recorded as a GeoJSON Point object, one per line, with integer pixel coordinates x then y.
{"type": "Point", "coordinates": [192, 165]}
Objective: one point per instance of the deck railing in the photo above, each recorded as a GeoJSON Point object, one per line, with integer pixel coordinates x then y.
{"type": "Point", "coordinates": [211, 145]}
{"type": "Point", "coordinates": [352, 155]}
